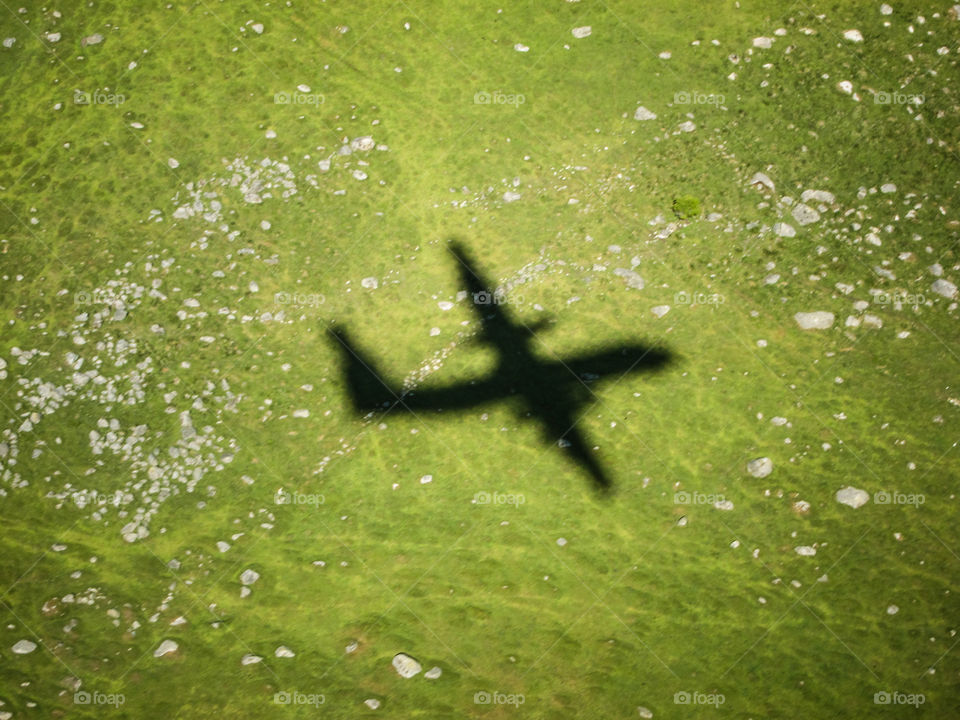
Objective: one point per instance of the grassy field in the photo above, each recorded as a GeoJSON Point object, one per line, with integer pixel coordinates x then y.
{"type": "Point", "coordinates": [193, 194]}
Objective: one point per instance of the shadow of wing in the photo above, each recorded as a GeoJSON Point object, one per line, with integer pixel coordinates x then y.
{"type": "Point", "coordinates": [615, 361]}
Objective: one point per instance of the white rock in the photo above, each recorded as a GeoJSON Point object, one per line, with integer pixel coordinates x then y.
{"type": "Point", "coordinates": [405, 665]}
{"type": "Point", "coordinates": [53, 37]}
{"type": "Point", "coordinates": [945, 288]}
{"type": "Point", "coordinates": [165, 648]}
{"type": "Point", "coordinates": [854, 497]}
{"type": "Point", "coordinates": [760, 467]}
{"type": "Point", "coordinates": [888, 188]}
{"type": "Point", "coordinates": [820, 196]}
{"type": "Point", "coordinates": [250, 659]}
{"type": "Point", "coordinates": [760, 178]}
{"type": "Point", "coordinates": [173, 163]}
{"type": "Point", "coordinates": [445, 305]}
{"type": "Point", "coordinates": [853, 35]}
{"type": "Point", "coordinates": [24, 647]}
{"type": "Point", "coordinates": [433, 673]}
{"type": "Point", "coordinates": [581, 32]}
{"type": "Point", "coordinates": [426, 479]}
{"type": "Point", "coordinates": [763, 42]}
{"type": "Point", "coordinates": [370, 283]}
{"type": "Point", "coordinates": [804, 214]}
{"type": "Point", "coordinates": [723, 505]}
{"type": "Point", "coordinates": [284, 652]}
{"type": "Point", "coordinates": [686, 126]}
{"type": "Point", "coordinates": [8, 42]}
{"type": "Point", "coordinates": [886, 9]}
{"type": "Point", "coordinates": [363, 143]}
{"type": "Point", "coordinates": [644, 712]}
{"type": "Point", "coordinates": [520, 47]}
{"type": "Point", "coordinates": [845, 86]}
{"type": "Point", "coordinates": [302, 413]}
{"type": "Point", "coordinates": [561, 541]}
{"type": "Point", "coordinates": [509, 196]}
{"type": "Point", "coordinates": [257, 28]}
{"type": "Point", "coordinates": [270, 134]}
{"type": "Point", "coordinates": [249, 577]}
{"type": "Point", "coordinates": [805, 550]}
{"type": "Point", "coordinates": [892, 610]}
{"type": "Point", "coordinates": [372, 703]}
{"type": "Point", "coordinates": [643, 114]}
{"type": "Point", "coordinates": [660, 310]}
{"type": "Point", "coordinates": [784, 230]}
{"type": "Point", "coordinates": [819, 320]}
{"type": "Point", "coordinates": [222, 546]}
{"type": "Point", "coordinates": [359, 175]}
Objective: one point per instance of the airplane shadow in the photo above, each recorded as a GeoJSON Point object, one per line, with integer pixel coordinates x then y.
{"type": "Point", "coordinates": [552, 391]}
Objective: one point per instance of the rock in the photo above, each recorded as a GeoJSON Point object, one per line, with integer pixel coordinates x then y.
{"type": "Point", "coordinates": [632, 277]}
{"type": "Point", "coordinates": [405, 665]}
{"type": "Point", "coordinates": [936, 270]}
{"type": "Point", "coordinates": [892, 610]}
{"type": "Point", "coordinates": [686, 126]}
{"type": "Point", "coordinates": [24, 647]}
{"type": "Point", "coordinates": [853, 35]}
{"type": "Point", "coordinates": [165, 648]}
{"type": "Point", "coordinates": [372, 703]}
{"type": "Point", "coordinates": [820, 196]}
{"type": "Point", "coordinates": [363, 143]}
{"type": "Point", "coordinates": [520, 47]}
{"type": "Point", "coordinates": [660, 310]}
{"type": "Point", "coordinates": [845, 86]}
{"type": "Point", "coordinates": [249, 577]}
{"type": "Point", "coordinates": [284, 652]}
{"type": "Point", "coordinates": [8, 42]}
{"type": "Point", "coordinates": [426, 479]}
{"type": "Point", "coordinates": [301, 413]}
{"type": "Point", "coordinates": [173, 163]}
{"type": "Point", "coordinates": [872, 321]}
{"type": "Point", "coordinates": [784, 230]}
{"type": "Point", "coordinates": [94, 39]}
{"type": "Point", "coordinates": [561, 541]}
{"type": "Point", "coordinates": [945, 288]}
{"type": "Point", "coordinates": [804, 214]}
{"type": "Point", "coordinates": [643, 114]}
{"type": "Point", "coordinates": [764, 43]}
{"type": "Point", "coordinates": [52, 37]}
{"type": "Point", "coordinates": [222, 546]}
{"type": "Point", "coordinates": [888, 188]}
{"type": "Point", "coordinates": [257, 28]}
{"type": "Point", "coordinates": [509, 196]}
{"type": "Point", "coordinates": [581, 32]}
{"type": "Point", "coordinates": [805, 550]}
{"type": "Point", "coordinates": [371, 283]}
{"type": "Point", "coordinates": [249, 659]}
{"type": "Point", "coordinates": [760, 467]}
{"type": "Point", "coordinates": [762, 180]}
{"type": "Point", "coordinates": [854, 497]}
{"type": "Point", "coordinates": [819, 320]}
{"type": "Point", "coordinates": [886, 9]}
{"type": "Point", "coordinates": [723, 505]}
{"type": "Point", "coordinates": [644, 712]}
{"type": "Point", "coordinates": [433, 673]}
{"type": "Point", "coordinates": [801, 506]}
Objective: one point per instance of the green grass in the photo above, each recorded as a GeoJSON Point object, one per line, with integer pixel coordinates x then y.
{"type": "Point", "coordinates": [636, 606]}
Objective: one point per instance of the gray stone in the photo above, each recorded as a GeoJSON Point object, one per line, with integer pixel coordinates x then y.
{"type": "Point", "coordinates": [804, 214]}
{"type": "Point", "coordinates": [945, 288]}
{"type": "Point", "coordinates": [24, 647]}
{"type": "Point", "coordinates": [760, 467]}
{"type": "Point", "coordinates": [405, 665]}
{"type": "Point", "coordinates": [854, 497]}
{"type": "Point", "coordinates": [819, 320]}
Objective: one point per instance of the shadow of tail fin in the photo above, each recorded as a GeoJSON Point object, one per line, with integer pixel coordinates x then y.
{"type": "Point", "coordinates": [366, 384]}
